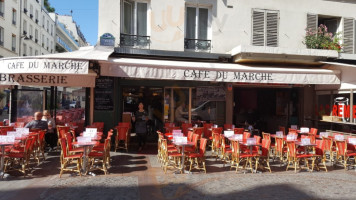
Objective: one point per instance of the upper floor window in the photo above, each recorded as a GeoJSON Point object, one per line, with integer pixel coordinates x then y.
{"type": "Point", "coordinates": [36, 16]}
{"type": "Point", "coordinates": [47, 26]}
{"type": "Point", "coordinates": [197, 30]}
{"type": "Point", "coordinates": [1, 36]}
{"type": "Point", "coordinates": [13, 44]}
{"type": "Point", "coordinates": [36, 35]}
{"type": "Point", "coordinates": [14, 16]}
{"type": "Point", "coordinates": [43, 21]}
{"type": "Point", "coordinates": [36, 52]}
{"type": "Point", "coordinates": [25, 6]}
{"type": "Point", "coordinates": [24, 49]}
{"type": "Point", "coordinates": [2, 8]}
{"type": "Point", "coordinates": [31, 11]}
{"type": "Point", "coordinates": [134, 31]}
{"type": "Point", "coordinates": [31, 32]}
{"type": "Point", "coordinates": [51, 29]}
{"type": "Point", "coordinates": [24, 27]}
{"type": "Point", "coordinates": [265, 27]}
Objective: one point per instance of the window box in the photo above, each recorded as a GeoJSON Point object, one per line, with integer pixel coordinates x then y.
{"type": "Point", "coordinates": [31, 37]}
{"type": "Point", "coordinates": [25, 10]}
{"type": "Point", "coordinates": [24, 55]}
{"type": "Point", "coordinates": [138, 41]}
{"type": "Point", "coordinates": [36, 40]}
{"type": "Point", "coordinates": [31, 16]}
{"type": "Point", "coordinates": [1, 43]}
{"type": "Point", "coordinates": [24, 32]}
{"type": "Point", "coordinates": [1, 14]}
{"type": "Point", "coordinates": [13, 48]}
{"type": "Point", "coordinates": [197, 44]}
{"type": "Point", "coordinates": [36, 21]}
{"type": "Point", "coordinates": [14, 22]}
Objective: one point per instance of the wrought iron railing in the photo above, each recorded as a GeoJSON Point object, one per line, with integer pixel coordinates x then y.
{"type": "Point", "coordinates": [197, 44]}
{"type": "Point", "coordinates": [138, 41]}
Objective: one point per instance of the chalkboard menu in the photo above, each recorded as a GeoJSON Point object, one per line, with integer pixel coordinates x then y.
{"type": "Point", "coordinates": [104, 93]}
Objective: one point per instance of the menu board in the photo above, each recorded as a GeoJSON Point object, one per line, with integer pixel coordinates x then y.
{"type": "Point", "coordinates": [211, 93]}
{"type": "Point", "coordinates": [104, 93]}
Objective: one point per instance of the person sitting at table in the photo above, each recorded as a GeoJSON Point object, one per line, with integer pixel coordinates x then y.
{"type": "Point", "coordinates": [180, 112]}
{"type": "Point", "coordinates": [37, 123]}
{"type": "Point", "coordinates": [51, 136]}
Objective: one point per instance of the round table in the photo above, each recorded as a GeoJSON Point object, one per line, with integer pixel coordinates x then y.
{"type": "Point", "coordinates": [183, 144]}
{"type": "Point", "coordinates": [87, 146]}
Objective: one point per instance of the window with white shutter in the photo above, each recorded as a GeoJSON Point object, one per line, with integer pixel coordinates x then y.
{"type": "Point", "coordinates": [265, 25]}
{"type": "Point", "coordinates": [349, 27]}
{"type": "Point", "coordinates": [312, 21]}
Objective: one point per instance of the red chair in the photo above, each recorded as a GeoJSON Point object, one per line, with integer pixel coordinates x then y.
{"type": "Point", "coordinates": [294, 158]}
{"type": "Point", "coordinates": [97, 158]}
{"type": "Point", "coordinates": [239, 130]}
{"type": "Point", "coordinates": [20, 156]}
{"type": "Point", "coordinates": [169, 124]}
{"type": "Point", "coordinates": [314, 131]}
{"type": "Point", "coordinates": [185, 127]}
{"type": "Point", "coordinates": [122, 135]}
{"type": "Point", "coordinates": [263, 158]}
{"type": "Point", "coordinates": [19, 124]}
{"type": "Point", "coordinates": [199, 158]}
{"type": "Point", "coordinates": [320, 151]}
{"type": "Point", "coordinates": [199, 131]}
{"type": "Point", "coordinates": [207, 132]}
{"type": "Point", "coordinates": [60, 132]}
{"type": "Point", "coordinates": [238, 158]}
{"type": "Point", "coordinates": [343, 155]}
{"type": "Point", "coordinates": [70, 149]}
{"type": "Point", "coordinates": [68, 159]}
{"type": "Point", "coordinates": [190, 136]}
{"type": "Point", "coordinates": [193, 148]}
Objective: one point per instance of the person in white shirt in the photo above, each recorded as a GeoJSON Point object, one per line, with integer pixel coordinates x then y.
{"type": "Point", "coordinates": [51, 135]}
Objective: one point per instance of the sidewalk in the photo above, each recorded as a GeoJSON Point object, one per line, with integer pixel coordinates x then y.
{"type": "Point", "coordinates": [139, 176]}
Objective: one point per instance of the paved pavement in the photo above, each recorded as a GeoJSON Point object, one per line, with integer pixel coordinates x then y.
{"type": "Point", "coordinates": [139, 176]}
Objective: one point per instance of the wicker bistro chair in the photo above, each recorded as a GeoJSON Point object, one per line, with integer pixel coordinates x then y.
{"type": "Point", "coordinates": [170, 159]}
{"type": "Point", "coordinates": [212, 138]}
{"type": "Point", "coordinates": [20, 157]}
{"type": "Point", "coordinates": [238, 158]}
{"type": "Point", "coordinates": [185, 127]}
{"type": "Point", "coordinates": [343, 155]}
{"type": "Point", "coordinates": [68, 159]}
{"type": "Point", "coordinates": [198, 158]}
{"type": "Point", "coordinates": [239, 130]}
{"type": "Point", "coordinates": [61, 130]}
{"type": "Point", "coordinates": [294, 158]}
{"type": "Point", "coordinates": [96, 158]}
{"type": "Point", "coordinates": [320, 151]}
{"type": "Point", "coordinates": [262, 159]}
{"type": "Point", "coordinates": [122, 135]}
{"type": "Point", "coordinates": [225, 150]}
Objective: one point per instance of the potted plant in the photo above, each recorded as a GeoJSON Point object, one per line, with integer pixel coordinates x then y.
{"type": "Point", "coordinates": [322, 39]}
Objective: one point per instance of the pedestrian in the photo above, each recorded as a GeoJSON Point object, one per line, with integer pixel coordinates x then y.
{"type": "Point", "coordinates": [51, 135]}
{"type": "Point", "coordinates": [140, 118]}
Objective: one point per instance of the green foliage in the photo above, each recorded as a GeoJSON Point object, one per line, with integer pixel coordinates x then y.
{"type": "Point", "coordinates": [47, 5]}
{"type": "Point", "coordinates": [322, 39]}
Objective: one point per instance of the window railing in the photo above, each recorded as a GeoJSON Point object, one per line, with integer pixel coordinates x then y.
{"type": "Point", "coordinates": [138, 41]}
{"type": "Point", "coordinates": [25, 10]}
{"type": "Point", "coordinates": [1, 14]}
{"type": "Point", "coordinates": [1, 43]}
{"type": "Point", "coordinates": [13, 22]}
{"type": "Point", "coordinates": [13, 48]}
{"type": "Point", "coordinates": [31, 16]}
{"type": "Point", "coordinates": [197, 44]}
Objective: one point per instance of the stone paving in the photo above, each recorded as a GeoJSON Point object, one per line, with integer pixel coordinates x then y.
{"type": "Point", "coordinates": [139, 176]}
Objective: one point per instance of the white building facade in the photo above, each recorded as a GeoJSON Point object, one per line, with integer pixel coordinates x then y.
{"type": "Point", "coordinates": [250, 35]}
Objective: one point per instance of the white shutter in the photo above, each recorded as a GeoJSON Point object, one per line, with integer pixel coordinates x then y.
{"type": "Point", "coordinates": [258, 27]}
{"type": "Point", "coordinates": [312, 21]}
{"type": "Point", "coordinates": [272, 28]}
{"type": "Point", "coordinates": [349, 35]}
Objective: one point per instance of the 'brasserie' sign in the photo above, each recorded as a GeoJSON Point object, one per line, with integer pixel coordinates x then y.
{"type": "Point", "coordinates": [15, 66]}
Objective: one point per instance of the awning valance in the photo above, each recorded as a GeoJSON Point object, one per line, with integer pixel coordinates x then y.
{"type": "Point", "coordinates": [220, 72]}
{"type": "Point", "coordinates": [36, 79]}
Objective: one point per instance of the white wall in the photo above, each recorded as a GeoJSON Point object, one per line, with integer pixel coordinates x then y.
{"type": "Point", "coordinates": [230, 26]}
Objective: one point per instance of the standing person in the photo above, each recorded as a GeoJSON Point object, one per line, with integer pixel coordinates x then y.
{"type": "Point", "coordinates": [51, 136]}
{"type": "Point", "coordinates": [140, 118]}
{"type": "Point", "coordinates": [37, 123]}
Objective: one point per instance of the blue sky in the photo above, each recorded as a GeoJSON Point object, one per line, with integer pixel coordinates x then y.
{"type": "Point", "coordinates": [85, 13]}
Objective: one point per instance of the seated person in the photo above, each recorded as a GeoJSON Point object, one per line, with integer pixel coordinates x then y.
{"type": "Point", "coordinates": [180, 112]}
{"type": "Point", "coordinates": [37, 123]}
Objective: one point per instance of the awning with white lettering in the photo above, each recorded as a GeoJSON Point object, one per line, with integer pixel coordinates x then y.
{"type": "Point", "coordinates": [76, 62]}
{"type": "Point", "coordinates": [219, 72]}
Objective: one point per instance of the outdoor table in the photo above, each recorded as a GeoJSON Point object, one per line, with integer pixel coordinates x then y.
{"type": "Point", "coordinates": [183, 145]}
{"type": "Point", "coordinates": [87, 146]}
{"type": "Point", "coordinates": [2, 145]}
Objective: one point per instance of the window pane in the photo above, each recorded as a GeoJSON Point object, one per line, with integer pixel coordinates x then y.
{"type": "Point", "coordinates": [141, 19]}
{"type": "Point", "coordinates": [203, 24]}
{"type": "Point", "coordinates": [190, 29]}
{"type": "Point", "coordinates": [128, 18]}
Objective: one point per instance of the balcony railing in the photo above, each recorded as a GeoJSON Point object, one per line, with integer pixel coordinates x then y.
{"type": "Point", "coordinates": [197, 44]}
{"type": "Point", "coordinates": [137, 41]}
